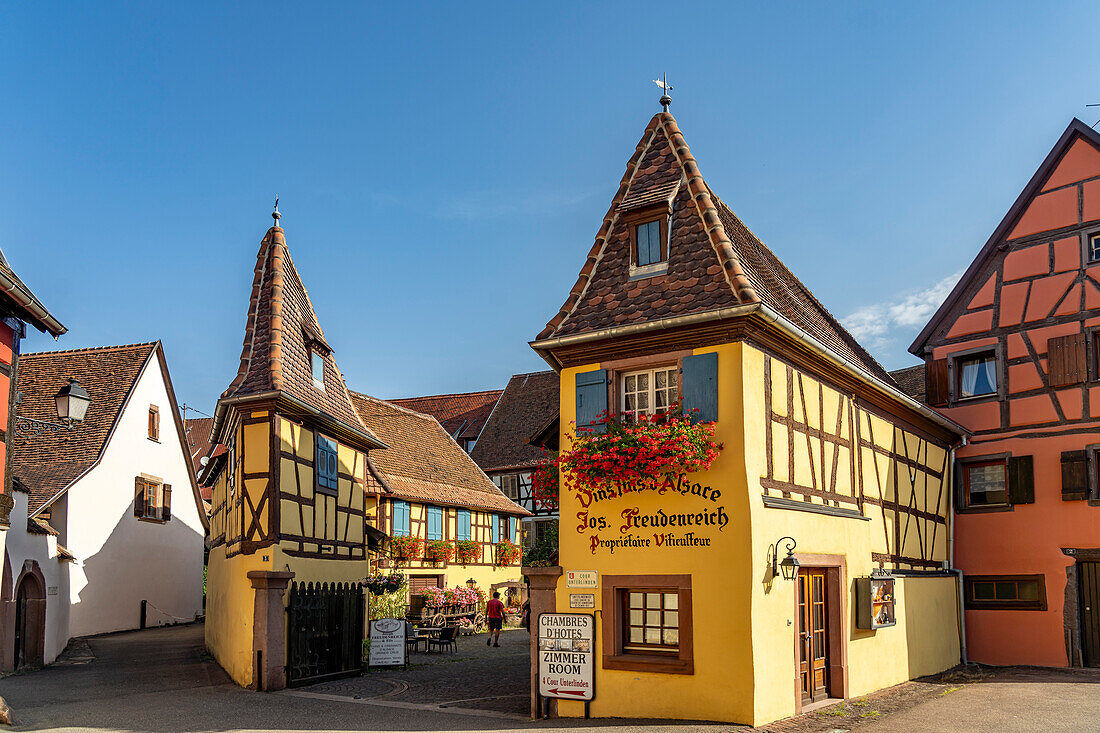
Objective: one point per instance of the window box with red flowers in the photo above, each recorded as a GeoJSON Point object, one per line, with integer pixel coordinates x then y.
{"type": "Point", "coordinates": [404, 548]}
{"type": "Point", "coordinates": [544, 484]}
{"type": "Point", "coordinates": [467, 551]}
{"type": "Point", "coordinates": [439, 551]}
{"type": "Point", "coordinates": [507, 553]}
{"type": "Point", "coordinates": [639, 450]}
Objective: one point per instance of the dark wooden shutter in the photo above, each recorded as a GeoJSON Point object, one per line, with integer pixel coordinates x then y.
{"type": "Point", "coordinates": [957, 481]}
{"type": "Point", "coordinates": [1021, 480]}
{"type": "Point", "coordinates": [139, 497]}
{"type": "Point", "coordinates": [936, 382]}
{"type": "Point", "coordinates": [1066, 360]}
{"type": "Point", "coordinates": [591, 399]}
{"type": "Point", "coordinates": [166, 510]}
{"type": "Point", "coordinates": [700, 381]}
{"type": "Point", "coordinates": [1075, 475]}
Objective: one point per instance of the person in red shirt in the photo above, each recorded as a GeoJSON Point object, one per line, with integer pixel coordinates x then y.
{"type": "Point", "coordinates": [494, 612]}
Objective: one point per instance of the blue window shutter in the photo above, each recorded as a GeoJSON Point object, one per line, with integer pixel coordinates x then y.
{"type": "Point", "coordinates": [700, 380]}
{"type": "Point", "coordinates": [435, 523]}
{"type": "Point", "coordinates": [494, 523]}
{"type": "Point", "coordinates": [326, 463]}
{"type": "Point", "coordinates": [463, 524]}
{"type": "Point", "coordinates": [591, 399]}
{"type": "Point", "coordinates": [400, 518]}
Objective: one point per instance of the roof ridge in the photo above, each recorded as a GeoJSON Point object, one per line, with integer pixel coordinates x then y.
{"type": "Point", "coordinates": [88, 349]}
{"type": "Point", "coordinates": [446, 394]}
{"type": "Point", "coordinates": [414, 413]}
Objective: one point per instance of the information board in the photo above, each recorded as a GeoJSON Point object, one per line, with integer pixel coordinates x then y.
{"type": "Point", "coordinates": [387, 642]}
{"type": "Point", "coordinates": [567, 650]}
{"type": "Point", "coordinates": [582, 600]}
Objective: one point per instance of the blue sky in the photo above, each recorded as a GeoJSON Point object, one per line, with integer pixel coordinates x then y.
{"type": "Point", "coordinates": [443, 168]}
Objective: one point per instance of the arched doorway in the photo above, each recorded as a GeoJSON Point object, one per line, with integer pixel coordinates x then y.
{"type": "Point", "coordinates": [30, 618]}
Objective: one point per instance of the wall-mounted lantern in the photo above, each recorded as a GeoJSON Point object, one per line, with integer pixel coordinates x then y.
{"type": "Point", "coordinates": [471, 583]}
{"type": "Point", "coordinates": [71, 401]}
{"type": "Point", "coordinates": [789, 564]}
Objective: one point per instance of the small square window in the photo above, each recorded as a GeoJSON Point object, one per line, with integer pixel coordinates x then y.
{"type": "Point", "coordinates": [986, 483]}
{"type": "Point", "coordinates": [1094, 247]}
{"type": "Point", "coordinates": [995, 592]}
{"type": "Point", "coordinates": [650, 392]}
{"type": "Point", "coordinates": [976, 376]}
{"type": "Point", "coordinates": [648, 245]}
{"type": "Point", "coordinates": [318, 367]}
{"type": "Point", "coordinates": [154, 422]}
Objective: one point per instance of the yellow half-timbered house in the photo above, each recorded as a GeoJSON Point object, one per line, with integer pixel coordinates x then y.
{"type": "Point", "coordinates": [811, 561]}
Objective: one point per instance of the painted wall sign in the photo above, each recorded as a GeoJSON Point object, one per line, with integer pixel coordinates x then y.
{"type": "Point", "coordinates": [387, 642]}
{"type": "Point", "coordinates": [567, 643]}
{"type": "Point", "coordinates": [582, 579]}
{"type": "Point", "coordinates": [582, 600]}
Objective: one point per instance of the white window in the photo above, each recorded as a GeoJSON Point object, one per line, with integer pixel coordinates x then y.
{"type": "Point", "coordinates": [509, 484]}
{"type": "Point", "coordinates": [318, 368]}
{"type": "Point", "coordinates": [649, 392]}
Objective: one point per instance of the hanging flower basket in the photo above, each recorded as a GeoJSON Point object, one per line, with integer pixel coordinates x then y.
{"type": "Point", "coordinates": [640, 450]}
{"type": "Point", "coordinates": [403, 548]}
{"type": "Point", "coordinates": [544, 484]}
{"type": "Point", "coordinates": [507, 553]}
{"type": "Point", "coordinates": [380, 584]}
{"type": "Point", "coordinates": [439, 551]}
{"type": "Point", "coordinates": [467, 551]}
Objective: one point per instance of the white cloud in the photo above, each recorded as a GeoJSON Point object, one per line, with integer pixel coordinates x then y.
{"type": "Point", "coordinates": [876, 326]}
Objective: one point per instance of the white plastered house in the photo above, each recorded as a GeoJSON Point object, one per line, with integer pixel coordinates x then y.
{"type": "Point", "coordinates": [108, 516]}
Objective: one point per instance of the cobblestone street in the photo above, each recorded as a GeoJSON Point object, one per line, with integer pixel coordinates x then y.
{"type": "Point", "coordinates": [477, 677]}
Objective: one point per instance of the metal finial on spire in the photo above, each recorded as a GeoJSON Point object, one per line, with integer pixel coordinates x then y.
{"type": "Point", "coordinates": [275, 214]}
{"type": "Point", "coordinates": [663, 83]}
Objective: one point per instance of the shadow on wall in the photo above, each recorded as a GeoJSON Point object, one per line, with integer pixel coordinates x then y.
{"type": "Point", "coordinates": [141, 560]}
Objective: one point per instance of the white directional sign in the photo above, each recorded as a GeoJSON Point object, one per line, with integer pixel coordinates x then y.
{"type": "Point", "coordinates": [567, 649]}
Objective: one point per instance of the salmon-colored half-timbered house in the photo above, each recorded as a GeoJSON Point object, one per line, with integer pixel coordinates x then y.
{"type": "Point", "coordinates": [1012, 355]}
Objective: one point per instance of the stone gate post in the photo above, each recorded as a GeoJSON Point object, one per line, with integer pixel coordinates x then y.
{"type": "Point", "coordinates": [269, 629]}
{"type": "Point", "coordinates": [544, 586]}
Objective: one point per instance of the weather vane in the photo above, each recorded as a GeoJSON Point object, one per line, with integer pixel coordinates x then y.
{"type": "Point", "coordinates": [663, 83]}
{"type": "Point", "coordinates": [275, 214]}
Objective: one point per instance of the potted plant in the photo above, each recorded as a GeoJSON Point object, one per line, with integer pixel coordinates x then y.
{"type": "Point", "coordinates": [439, 551]}
{"type": "Point", "coordinates": [379, 584]}
{"type": "Point", "coordinates": [467, 551]}
{"type": "Point", "coordinates": [405, 548]}
{"type": "Point", "coordinates": [507, 553]}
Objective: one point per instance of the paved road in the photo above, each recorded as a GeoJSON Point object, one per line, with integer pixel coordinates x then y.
{"type": "Point", "coordinates": [161, 680]}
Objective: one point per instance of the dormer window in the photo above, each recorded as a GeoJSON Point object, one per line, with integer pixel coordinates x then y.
{"type": "Point", "coordinates": [650, 247]}
{"type": "Point", "coordinates": [318, 367]}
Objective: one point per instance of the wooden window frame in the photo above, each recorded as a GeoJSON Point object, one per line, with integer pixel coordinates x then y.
{"type": "Point", "coordinates": [964, 481]}
{"type": "Point", "coordinates": [154, 513]}
{"type": "Point", "coordinates": [613, 624]}
{"type": "Point", "coordinates": [154, 423]}
{"type": "Point", "coordinates": [620, 367]}
{"type": "Point", "coordinates": [1086, 246]}
{"type": "Point", "coordinates": [954, 374]}
{"type": "Point", "coordinates": [660, 213]}
{"type": "Point", "coordinates": [993, 605]}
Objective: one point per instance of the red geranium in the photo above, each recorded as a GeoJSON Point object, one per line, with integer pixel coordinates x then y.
{"type": "Point", "coordinates": [544, 484]}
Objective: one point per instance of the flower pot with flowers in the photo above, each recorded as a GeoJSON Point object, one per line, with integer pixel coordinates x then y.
{"type": "Point", "coordinates": [439, 551]}
{"type": "Point", "coordinates": [380, 584]}
{"type": "Point", "coordinates": [507, 553]}
{"type": "Point", "coordinates": [404, 548]}
{"type": "Point", "coordinates": [636, 451]}
{"type": "Point", "coordinates": [467, 551]}
{"type": "Point", "coordinates": [544, 483]}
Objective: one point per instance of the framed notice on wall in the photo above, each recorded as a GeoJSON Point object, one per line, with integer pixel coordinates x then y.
{"type": "Point", "coordinates": [567, 651]}
{"type": "Point", "coordinates": [387, 643]}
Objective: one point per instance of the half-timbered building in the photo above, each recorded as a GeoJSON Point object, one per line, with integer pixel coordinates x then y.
{"type": "Point", "coordinates": [822, 455]}
{"type": "Point", "coordinates": [1012, 354]}
{"type": "Point", "coordinates": [506, 451]}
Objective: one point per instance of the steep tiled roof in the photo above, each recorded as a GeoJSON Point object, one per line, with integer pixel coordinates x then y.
{"type": "Point", "coordinates": [423, 463]}
{"type": "Point", "coordinates": [462, 415]}
{"type": "Point", "coordinates": [714, 261]}
{"type": "Point", "coordinates": [23, 303]}
{"type": "Point", "coordinates": [197, 430]}
{"type": "Point", "coordinates": [280, 333]}
{"type": "Point", "coordinates": [47, 463]}
{"type": "Point", "coordinates": [911, 381]}
{"type": "Point", "coordinates": [528, 403]}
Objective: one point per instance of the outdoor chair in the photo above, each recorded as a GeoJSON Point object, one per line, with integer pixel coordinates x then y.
{"type": "Point", "coordinates": [445, 640]}
{"type": "Point", "coordinates": [412, 637]}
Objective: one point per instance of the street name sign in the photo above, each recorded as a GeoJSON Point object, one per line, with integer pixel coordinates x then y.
{"type": "Point", "coordinates": [582, 579]}
{"type": "Point", "coordinates": [567, 644]}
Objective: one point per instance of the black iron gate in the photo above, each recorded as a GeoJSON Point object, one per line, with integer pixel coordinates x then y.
{"type": "Point", "coordinates": [325, 631]}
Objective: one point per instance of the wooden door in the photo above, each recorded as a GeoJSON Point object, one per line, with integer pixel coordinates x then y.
{"type": "Point", "coordinates": [813, 645]}
{"type": "Point", "coordinates": [1088, 574]}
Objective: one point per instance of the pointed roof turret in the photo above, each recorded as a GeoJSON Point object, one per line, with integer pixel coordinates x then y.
{"type": "Point", "coordinates": [282, 336]}
{"type": "Point", "coordinates": [714, 261]}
